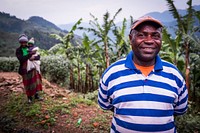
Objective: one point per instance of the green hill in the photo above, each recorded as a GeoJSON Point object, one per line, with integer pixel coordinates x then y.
{"type": "Point", "coordinates": [37, 27]}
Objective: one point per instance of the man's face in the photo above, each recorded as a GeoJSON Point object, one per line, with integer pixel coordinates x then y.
{"type": "Point", "coordinates": [146, 44]}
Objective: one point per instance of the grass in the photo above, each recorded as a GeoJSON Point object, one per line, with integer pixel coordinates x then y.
{"type": "Point", "coordinates": [48, 113]}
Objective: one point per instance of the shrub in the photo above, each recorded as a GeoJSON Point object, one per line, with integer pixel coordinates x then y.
{"type": "Point", "coordinates": [189, 122]}
{"type": "Point", "coordinates": [9, 64]}
{"type": "Point", "coordinates": [55, 69]}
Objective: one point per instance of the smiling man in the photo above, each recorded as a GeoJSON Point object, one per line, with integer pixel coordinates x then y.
{"type": "Point", "coordinates": [143, 91]}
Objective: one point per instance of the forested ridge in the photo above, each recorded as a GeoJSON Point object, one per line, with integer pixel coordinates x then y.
{"type": "Point", "coordinates": [11, 27]}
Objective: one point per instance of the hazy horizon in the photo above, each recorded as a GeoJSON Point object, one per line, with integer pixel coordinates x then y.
{"type": "Point", "coordinates": [67, 11]}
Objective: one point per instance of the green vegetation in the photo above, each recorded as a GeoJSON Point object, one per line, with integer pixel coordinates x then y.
{"type": "Point", "coordinates": [9, 64]}
{"type": "Point", "coordinates": [49, 112]}
{"type": "Point", "coordinates": [79, 67]}
{"type": "Point", "coordinates": [189, 122]}
{"type": "Point", "coordinates": [55, 69]}
{"type": "Point", "coordinates": [11, 27]}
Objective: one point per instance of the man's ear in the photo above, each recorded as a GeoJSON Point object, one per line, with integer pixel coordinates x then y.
{"type": "Point", "coordinates": [130, 38]}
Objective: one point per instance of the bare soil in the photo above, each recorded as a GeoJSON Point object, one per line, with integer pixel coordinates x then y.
{"type": "Point", "coordinates": [11, 83]}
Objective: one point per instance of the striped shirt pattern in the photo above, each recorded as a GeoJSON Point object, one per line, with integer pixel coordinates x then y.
{"type": "Point", "coordinates": [143, 104]}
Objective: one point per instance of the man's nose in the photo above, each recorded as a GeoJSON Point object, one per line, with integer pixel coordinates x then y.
{"type": "Point", "coordinates": [149, 39]}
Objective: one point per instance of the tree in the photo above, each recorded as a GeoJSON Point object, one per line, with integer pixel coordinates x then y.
{"type": "Point", "coordinates": [102, 31]}
{"type": "Point", "coordinates": [66, 47]}
{"type": "Point", "coordinates": [121, 45]}
{"type": "Point", "coordinates": [88, 56]}
{"type": "Point", "coordinates": [185, 26]}
{"type": "Point", "coordinates": [171, 50]}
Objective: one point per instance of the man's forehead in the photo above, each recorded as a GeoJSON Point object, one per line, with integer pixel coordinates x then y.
{"type": "Point", "coordinates": [147, 28]}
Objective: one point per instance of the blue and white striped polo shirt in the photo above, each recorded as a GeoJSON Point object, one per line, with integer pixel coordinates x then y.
{"type": "Point", "coordinates": [143, 104]}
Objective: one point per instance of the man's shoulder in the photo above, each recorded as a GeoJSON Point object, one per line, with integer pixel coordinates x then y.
{"type": "Point", "coordinates": [168, 64]}
{"type": "Point", "coordinates": [113, 69]}
{"type": "Point", "coordinates": [171, 68]}
{"type": "Point", "coordinates": [118, 62]}
{"type": "Point", "coordinates": [116, 66]}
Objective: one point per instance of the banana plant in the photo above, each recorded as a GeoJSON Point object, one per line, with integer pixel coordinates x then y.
{"type": "Point", "coordinates": [65, 47]}
{"type": "Point", "coordinates": [171, 49]}
{"type": "Point", "coordinates": [65, 42]}
{"type": "Point", "coordinates": [102, 32]}
{"type": "Point", "coordinates": [185, 26]}
{"type": "Point", "coordinates": [87, 58]}
{"type": "Point", "coordinates": [121, 45]}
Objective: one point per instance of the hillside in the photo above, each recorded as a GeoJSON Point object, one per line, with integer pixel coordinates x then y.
{"type": "Point", "coordinates": [165, 17]}
{"type": "Point", "coordinates": [40, 29]}
{"type": "Point", "coordinates": [59, 112]}
{"type": "Point", "coordinates": [11, 27]}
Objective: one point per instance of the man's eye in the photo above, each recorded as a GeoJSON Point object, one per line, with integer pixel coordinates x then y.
{"type": "Point", "coordinates": [156, 36]}
{"type": "Point", "coordinates": [140, 35]}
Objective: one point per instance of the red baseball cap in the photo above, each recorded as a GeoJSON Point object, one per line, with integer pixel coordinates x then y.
{"type": "Point", "coordinates": [146, 19]}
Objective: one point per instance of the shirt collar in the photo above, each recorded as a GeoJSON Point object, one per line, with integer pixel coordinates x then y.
{"type": "Point", "coordinates": [129, 62]}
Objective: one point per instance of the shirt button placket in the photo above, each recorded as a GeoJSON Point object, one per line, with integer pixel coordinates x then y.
{"type": "Point", "coordinates": [144, 85]}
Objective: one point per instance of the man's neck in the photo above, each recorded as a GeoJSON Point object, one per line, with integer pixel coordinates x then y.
{"type": "Point", "coordinates": [144, 63]}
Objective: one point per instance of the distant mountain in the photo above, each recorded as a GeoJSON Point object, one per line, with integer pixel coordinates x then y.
{"type": "Point", "coordinates": [165, 17]}
{"type": "Point", "coordinates": [11, 27]}
{"type": "Point", "coordinates": [69, 26]}
{"type": "Point", "coordinates": [40, 29]}
{"type": "Point", "coordinates": [42, 22]}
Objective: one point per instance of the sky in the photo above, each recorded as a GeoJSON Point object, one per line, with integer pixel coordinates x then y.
{"type": "Point", "coordinates": [70, 11]}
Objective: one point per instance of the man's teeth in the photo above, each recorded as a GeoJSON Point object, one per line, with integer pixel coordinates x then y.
{"type": "Point", "coordinates": [147, 48]}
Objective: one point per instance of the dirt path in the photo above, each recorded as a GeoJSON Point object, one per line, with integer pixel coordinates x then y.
{"type": "Point", "coordinates": [93, 118]}
{"type": "Point", "coordinates": [11, 82]}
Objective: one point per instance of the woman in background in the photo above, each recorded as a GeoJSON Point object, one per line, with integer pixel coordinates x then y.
{"type": "Point", "coordinates": [31, 79]}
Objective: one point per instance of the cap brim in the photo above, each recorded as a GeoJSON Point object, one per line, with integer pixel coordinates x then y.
{"type": "Point", "coordinates": [145, 19]}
